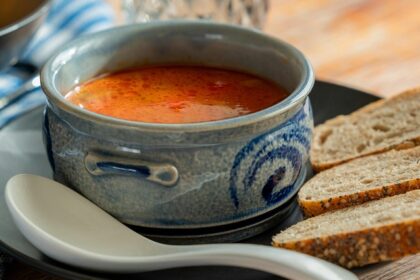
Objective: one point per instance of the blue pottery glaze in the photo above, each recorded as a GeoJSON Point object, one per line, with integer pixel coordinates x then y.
{"type": "Point", "coordinates": [181, 176]}
{"type": "Point", "coordinates": [282, 153]}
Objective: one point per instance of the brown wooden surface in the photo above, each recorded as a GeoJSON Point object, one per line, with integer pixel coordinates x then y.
{"type": "Point", "coordinates": [373, 45]}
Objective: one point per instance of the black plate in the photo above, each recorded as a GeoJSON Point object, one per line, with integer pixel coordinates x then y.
{"type": "Point", "coordinates": [21, 151]}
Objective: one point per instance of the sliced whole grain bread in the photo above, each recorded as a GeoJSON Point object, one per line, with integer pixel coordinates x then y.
{"type": "Point", "coordinates": [360, 180]}
{"type": "Point", "coordinates": [375, 231]}
{"type": "Point", "coordinates": [387, 124]}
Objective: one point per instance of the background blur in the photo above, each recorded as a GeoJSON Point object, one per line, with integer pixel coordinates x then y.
{"type": "Point", "coordinates": [373, 45]}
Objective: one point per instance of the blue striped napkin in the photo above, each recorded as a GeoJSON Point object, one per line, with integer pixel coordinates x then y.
{"type": "Point", "coordinates": [65, 21]}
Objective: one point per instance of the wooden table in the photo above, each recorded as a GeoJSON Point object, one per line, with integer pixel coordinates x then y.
{"type": "Point", "coordinates": [372, 45]}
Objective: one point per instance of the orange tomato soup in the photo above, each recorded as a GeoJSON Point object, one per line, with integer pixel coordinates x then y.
{"type": "Point", "coordinates": [176, 94]}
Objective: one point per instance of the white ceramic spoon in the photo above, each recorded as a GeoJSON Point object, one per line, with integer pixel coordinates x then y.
{"type": "Point", "coordinates": [67, 227]}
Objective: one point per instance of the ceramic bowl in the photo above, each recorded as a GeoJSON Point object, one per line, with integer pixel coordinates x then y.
{"type": "Point", "coordinates": [180, 176]}
{"type": "Point", "coordinates": [15, 37]}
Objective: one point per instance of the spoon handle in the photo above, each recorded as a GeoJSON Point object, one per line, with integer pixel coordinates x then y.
{"type": "Point", "coordinates": [26, 88]}
{"type": "Point", "coordinates": [281, 262]}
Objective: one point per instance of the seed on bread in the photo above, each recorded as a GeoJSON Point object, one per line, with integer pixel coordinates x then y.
{"type": "Point", "coordinates": [360, 180]}
{"type": "Point", "coordinates": [375, 231]}
{"type": "Point", "coordinates": [387, 124]}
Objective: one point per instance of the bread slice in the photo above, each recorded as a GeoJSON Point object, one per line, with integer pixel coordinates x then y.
{"type": "Point", "coordinates": [375, 231]}
{"type": "Point", "coordinates": [387, 124]}
{"type": "Point", "coordinates": [361, 180]}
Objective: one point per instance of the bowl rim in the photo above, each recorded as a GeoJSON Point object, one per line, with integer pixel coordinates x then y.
{"type": "Point", "coordinates": [15, 25]}
{"type": "Point", "coordinates": [299, 94]}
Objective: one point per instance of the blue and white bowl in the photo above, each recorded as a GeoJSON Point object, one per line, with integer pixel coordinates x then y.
{"type": "Point", "coordinates": [180, 176]}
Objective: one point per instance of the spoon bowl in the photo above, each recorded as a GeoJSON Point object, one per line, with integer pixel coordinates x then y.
{"type": "Point", "coordinates": [69, 228]}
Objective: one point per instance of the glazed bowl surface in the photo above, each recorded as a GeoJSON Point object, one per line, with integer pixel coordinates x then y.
{"type": "Point", "coordinates": [15, 36]}
{"type": "Point", "coordinates": [180, 176]}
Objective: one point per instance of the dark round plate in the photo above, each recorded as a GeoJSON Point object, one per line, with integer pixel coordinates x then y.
{"type": "Point", "coordinates": [21, 151]}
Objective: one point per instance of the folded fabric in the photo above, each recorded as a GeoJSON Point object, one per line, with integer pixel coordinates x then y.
{"type": "Point", "coordinates": [66, 20]}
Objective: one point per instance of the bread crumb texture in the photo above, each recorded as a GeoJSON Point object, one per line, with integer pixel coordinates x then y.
{"type": "Point", "coordinates": [375, 231]}
{"type": "Point", "coordinates": [361, 180]}
{"type": "Point", "coordinates": [387, 124]}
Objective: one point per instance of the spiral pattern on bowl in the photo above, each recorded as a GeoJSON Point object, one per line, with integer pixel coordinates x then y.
{"type": "Point", "coordinates": [272, 162]}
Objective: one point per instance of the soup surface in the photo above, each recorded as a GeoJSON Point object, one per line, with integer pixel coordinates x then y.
{"type": "Point", "coordinates": [176, 94]}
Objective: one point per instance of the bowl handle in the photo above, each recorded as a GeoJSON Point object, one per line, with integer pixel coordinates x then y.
{"type": "Point", "coordinates": [162, 173]}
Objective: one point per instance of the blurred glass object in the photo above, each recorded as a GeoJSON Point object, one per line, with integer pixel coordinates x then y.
{"type": "Point", "coordinates": [249, 13]}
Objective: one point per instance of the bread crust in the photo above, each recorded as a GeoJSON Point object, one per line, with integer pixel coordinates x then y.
{"type": "Point", "coordinates": [318, 165]}
{"type": "Point", "coordinates": [316, 207]}
{"type": "Point", "coordinates": [359, 248]}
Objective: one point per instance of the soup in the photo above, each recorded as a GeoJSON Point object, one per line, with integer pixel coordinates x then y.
{"type": "Point", "coordinates": [176, 94]}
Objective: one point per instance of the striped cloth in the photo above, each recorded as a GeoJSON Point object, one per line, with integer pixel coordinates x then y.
{"type": "Point", "coordinates": [65, 21]}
